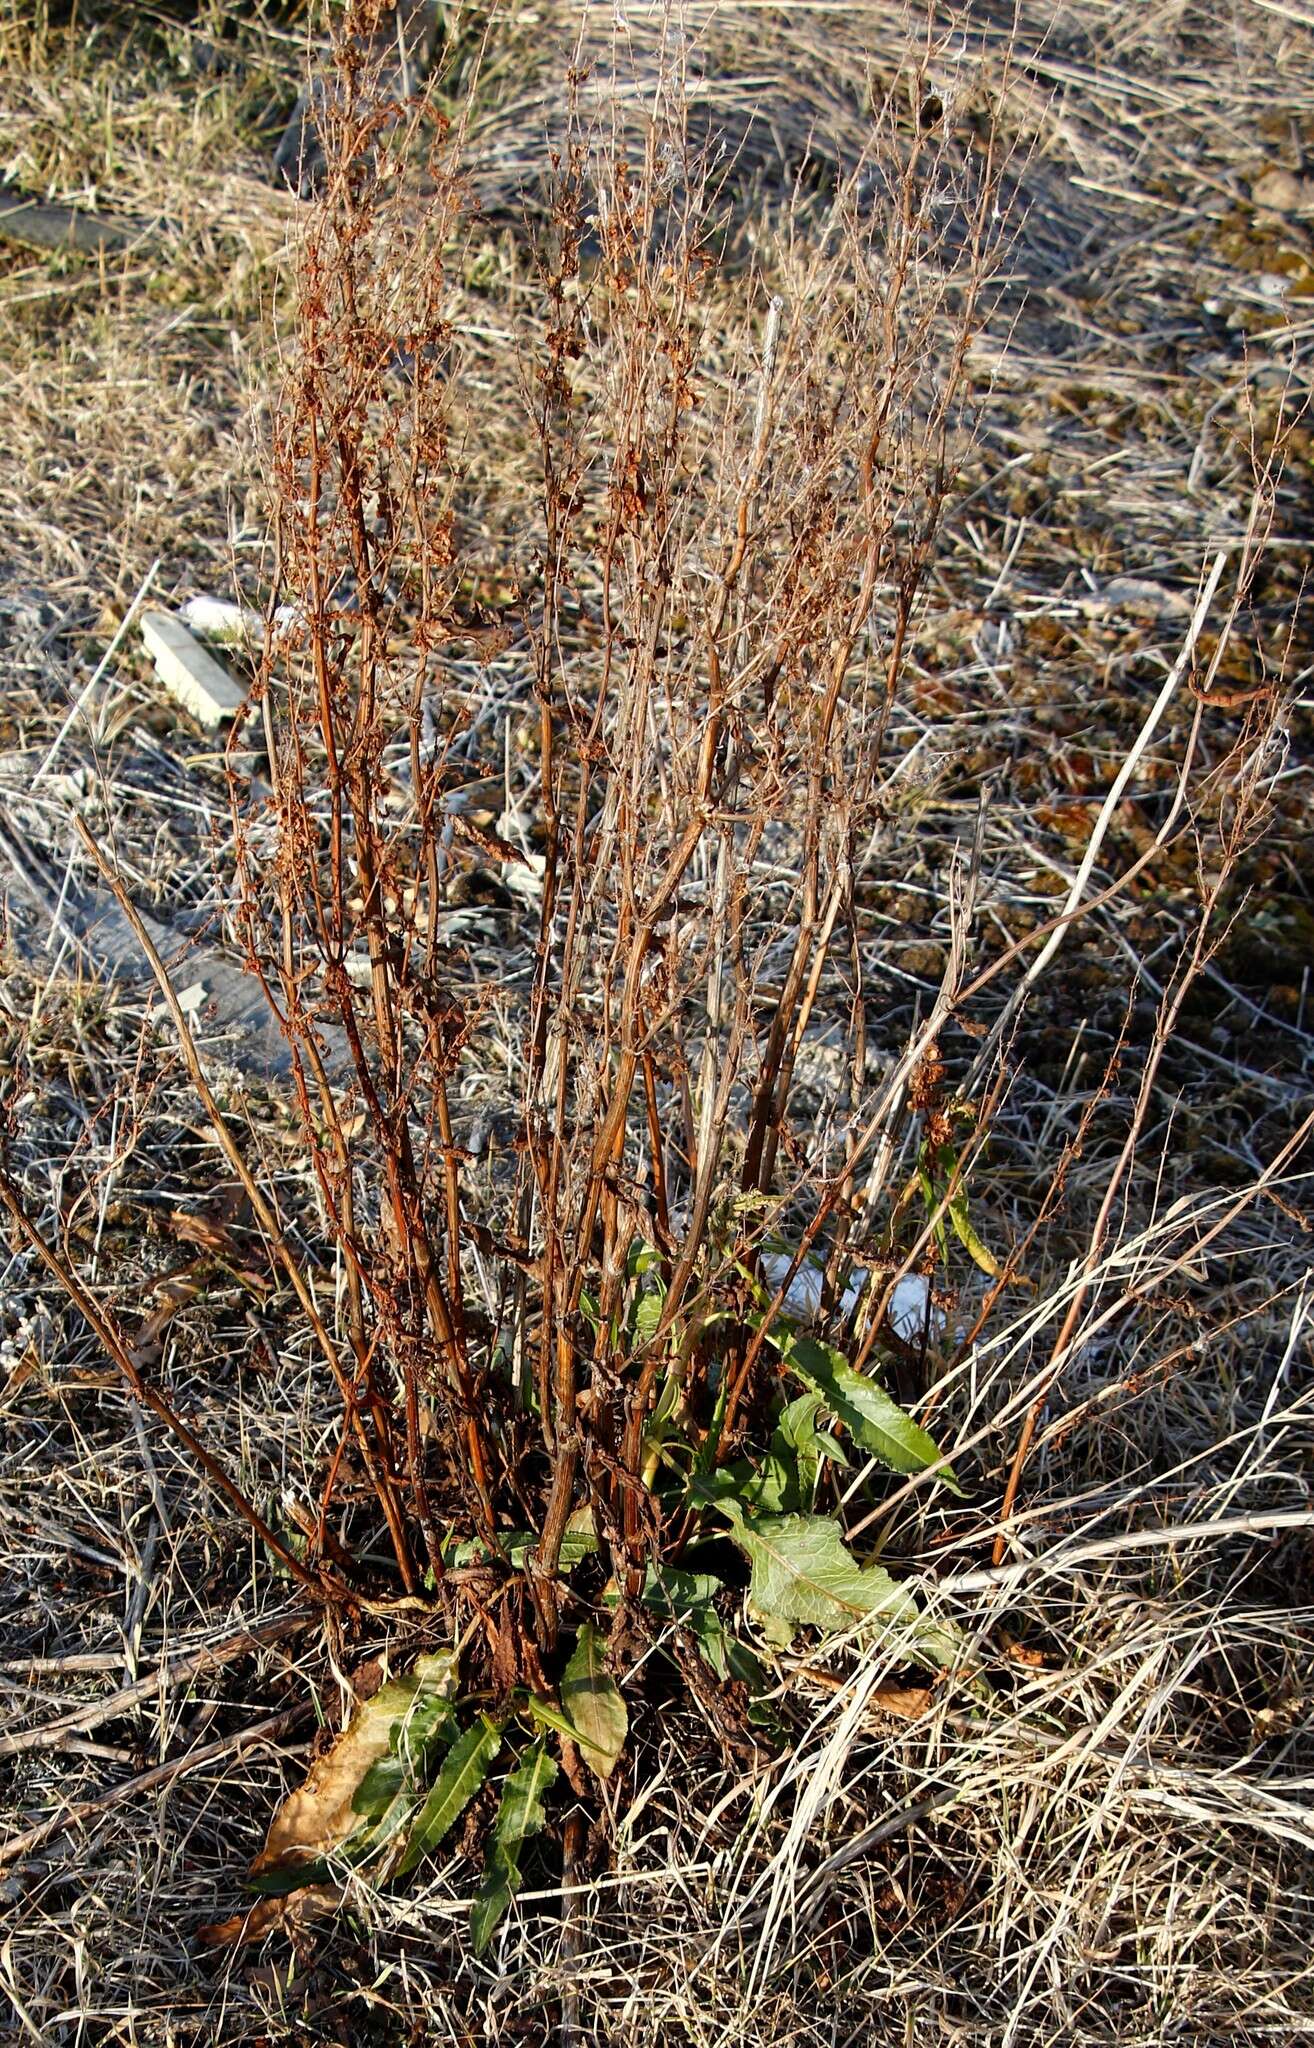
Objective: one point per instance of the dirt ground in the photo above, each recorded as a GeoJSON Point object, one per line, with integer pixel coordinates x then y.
{"type": "Point", "coordinates": [1119, 1850]}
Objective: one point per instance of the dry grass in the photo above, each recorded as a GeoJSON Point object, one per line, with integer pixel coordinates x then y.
{"type": "Point", "coordinates": [1114, 1844]}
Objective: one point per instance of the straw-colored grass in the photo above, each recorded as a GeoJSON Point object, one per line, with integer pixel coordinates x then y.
{"type": "Point", "coordinates": [1113, 1842]}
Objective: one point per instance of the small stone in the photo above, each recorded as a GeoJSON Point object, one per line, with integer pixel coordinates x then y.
{"type": "Point", "coordinates": [1283, 192]}
{"type": "Point", "coordinates": [1138, 598]}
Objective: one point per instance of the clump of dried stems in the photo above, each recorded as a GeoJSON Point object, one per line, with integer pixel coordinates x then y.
{"type": "Point", "coordinates": [735, 516]}
{"type": "Point", "coordinates": [738, 502]}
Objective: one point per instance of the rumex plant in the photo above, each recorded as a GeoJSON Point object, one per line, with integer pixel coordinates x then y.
{"type": "Point", "coordinates": [737, 501]}
{"type": "Point", "coordinates": [649, 1329]}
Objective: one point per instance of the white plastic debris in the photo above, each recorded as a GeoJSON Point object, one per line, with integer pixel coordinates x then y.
{"type": "Point", "coordinates": [218, 618]}
{"type": "Point", "coordinates": [195, 678]}
{"type": "Point", "coordinates": [525, 878]}
{"type": "Point", "coordinates": [803, 1295]}
{"type": "Point", "coordinates": [1137, 598]}
{"type": "Point", "coordinates": [191, 1001]}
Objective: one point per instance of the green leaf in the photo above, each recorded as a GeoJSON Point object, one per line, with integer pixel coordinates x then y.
{"type": "Point", "coordinates": [773, 1487]}
{"type": "Point", "coordinates": [669, 1590]}
{"type": "Point", "coordinates": [873, 1420]}
{"type": "Point", "coordinates": [593, 1704]}
{"type": "Point", "coordinates": [929, 1197]}
{"type": "Point", "coordinates": [357, 1793]}
{"type": "Point", "coordinates": [727, 1483]}
{"type": "Point", "coordinates": [660, 1423]}
{"type": "Point", "coordinates": [688, 1598]}
{"type": "Point", "coordinates": [705, 1462]}
{"type": "Point", "coordinates": [428, 1723]}
{"type": "Point", "coordinates": [802, 1574]}
{"type": "Point", "coordinates": [968, 1238]}
{"type": "Point", "coordinates": [578, 1541]}
{"type": "Point", "coordinates": [786, 1480]}
{"type": "Point", "coordinates": [797, 1428]}
{"type": "Point", "coordinates": [548, 1716]}
{"type": "Point", "coordinates": [464, 1769]}
{"type": "Point", "coordinates": [647, 1314]}
{"type": "Point", "coordinates": [520, 1815]}
{"type": "Point", "coordinates": [290, 1877]}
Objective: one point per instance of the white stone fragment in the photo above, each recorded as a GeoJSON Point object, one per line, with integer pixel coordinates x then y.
{"type": "Point", "coordinates": [191, 675]}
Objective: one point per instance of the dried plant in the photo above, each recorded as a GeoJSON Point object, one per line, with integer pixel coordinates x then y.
{"type": "Point", "coordinates": [738, 500]}
{"type": "Point", "coordinates": [641, 1313]}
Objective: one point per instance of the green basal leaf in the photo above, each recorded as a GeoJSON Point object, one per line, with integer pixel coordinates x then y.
{"type": "Point", "coordinates": [279, 1882]}
{"type": "Point", "coordinates": [803, 1576]}
{"type": "Point", "coordinates": [874, 1421]}
{"type": "Point", "coordinates": [726, 1483]}
{"type": "Point", "coordinates": [667, 1403]}
{"type": "Point", "coordinates": [671, 1591]}
{"type": "Point", "coordinates": [688, 1598]}
{"type": "Point", "coordinates": [463, 1772]}
{"type": "Point", "coordinates": [592, 1703]}
{"type": "Point", "coordinates": [772, 1488]}
{"type": "Point", "coordinates": [579, 1540]}
{"type": "Point", "coordinates": [427, 1725]}
{"type": "Point", "coordinates": [705, 1462]}
{"type": "Point", "coordinates": [368, 1785]}
{"type": "Point", "coordinates": [520, 1815]}
{"type": "Point", "coordinates": [786, 1480]}
{"type": "Point", "coordinates": [548, 1716]}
